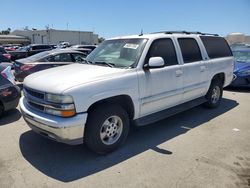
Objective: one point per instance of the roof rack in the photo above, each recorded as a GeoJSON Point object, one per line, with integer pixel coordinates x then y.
{"type": "Point", "coordinates": [186, 32]}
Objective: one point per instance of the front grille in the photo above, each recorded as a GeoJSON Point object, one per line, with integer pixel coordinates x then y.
{"type": "Point", "coordinates": [36, 106]}
{"type": "Point", "coordinates": [35, 99]}
{"type": "Point", "coordinates": [37, 94]}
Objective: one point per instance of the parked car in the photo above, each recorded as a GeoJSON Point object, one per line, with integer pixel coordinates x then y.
{"type": "Point", "coordinates": [9, 93]}
{"type": "Point", "coordinates": [91, 47]}
{"type": "Point", "coordinates": [30, 50]}
{"type": "Point", "coordinates": [45, 60]}
{"type": "Point", "coordinates": [241, 68]}
{"type": "Point", "coordinates": [5, 61]}
{"type": "Point", "coordinates": [4, 53]}
{"type": "Point", "coordinates": [86, 49]}
{"type": "Point", "coordinates": [139, 79]}
{"type": "Point", "coordinates": [11, 47]}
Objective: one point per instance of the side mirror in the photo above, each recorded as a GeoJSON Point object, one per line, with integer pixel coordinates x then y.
{"type": "Point", "coordinates": [154, 63]}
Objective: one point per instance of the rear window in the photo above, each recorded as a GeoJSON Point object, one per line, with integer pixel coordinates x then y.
{"type": "Point", "coordinates": [41, 47]}
{"type": "Point", "coordinates": [216, 47]}
{"type": "Point", "coordinates": [190, 50]}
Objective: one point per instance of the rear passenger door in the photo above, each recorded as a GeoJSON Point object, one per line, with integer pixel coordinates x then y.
{"type": "Point", "coordinates": [161, 88]}
{"type": "Point", "coordinates": [194, 69]}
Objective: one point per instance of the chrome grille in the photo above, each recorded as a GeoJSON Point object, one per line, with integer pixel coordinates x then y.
{"type": "Point", "coordinates": [35, 99]}
{"type": "Point", "coordinates": [37, 94]}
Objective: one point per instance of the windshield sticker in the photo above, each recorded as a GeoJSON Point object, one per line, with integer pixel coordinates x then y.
{"type": "Point", "coordinates": [131, 46]}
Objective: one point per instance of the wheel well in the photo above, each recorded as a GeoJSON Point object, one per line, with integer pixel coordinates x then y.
{"type": "Point", "coordinates": [123, 100]}
{"type": "Point", "coordinates": [219, 76]}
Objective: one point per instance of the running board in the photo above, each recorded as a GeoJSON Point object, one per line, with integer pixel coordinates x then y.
{"type": "Point", "coordinates": [169, 112]}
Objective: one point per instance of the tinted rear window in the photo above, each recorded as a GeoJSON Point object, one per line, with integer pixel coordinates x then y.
{"type": "Point", "coordinates": [216, 47]}
{"type": "Point", "coordinates": [190, 50]}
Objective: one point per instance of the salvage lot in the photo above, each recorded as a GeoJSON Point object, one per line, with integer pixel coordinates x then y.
{"type": "Point", "coordinates": [196, 148]}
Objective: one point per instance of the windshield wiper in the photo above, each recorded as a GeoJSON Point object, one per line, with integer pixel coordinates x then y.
{"type": "Point", "coordinates": [104, 63]}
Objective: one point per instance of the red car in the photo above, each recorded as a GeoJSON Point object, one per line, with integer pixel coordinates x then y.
{"type": "Point", "coordinates": [5, 53]}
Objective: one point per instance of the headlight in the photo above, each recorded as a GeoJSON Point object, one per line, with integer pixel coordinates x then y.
{"type": "Point", "coordinates": [244, 73]}
{"type": "Point", "coordinates": [63, 105]}
{"type": "Point", "coordinates": [58, 98]}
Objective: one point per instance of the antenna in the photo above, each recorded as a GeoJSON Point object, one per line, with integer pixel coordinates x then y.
{"type": "Point", "coordinates": [141, 32]}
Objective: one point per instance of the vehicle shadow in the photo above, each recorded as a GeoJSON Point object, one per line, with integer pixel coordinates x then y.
{"type": "Point", "coordinates": [68, 163]}
{"type": "Point", "coordinates": [10, 117]}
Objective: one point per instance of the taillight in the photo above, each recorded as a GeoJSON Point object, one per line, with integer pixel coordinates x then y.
{"type": "Point", "coordinates": [4, 75]}
{"type": "Point", "coordinates": [7, 56]}
{"type": "Point", "coordinates": [26, 67]}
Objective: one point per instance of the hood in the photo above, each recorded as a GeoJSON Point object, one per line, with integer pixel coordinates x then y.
{"type": "Point", "coordinates": [57, 80]}
{"type": "Point", "coordinates": [240, 66]}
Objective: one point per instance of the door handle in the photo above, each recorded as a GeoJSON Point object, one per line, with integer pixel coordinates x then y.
{"type": "Point", "coordinates": [203, 68]}
{"type": "Point", "coordinates": [178, 73]}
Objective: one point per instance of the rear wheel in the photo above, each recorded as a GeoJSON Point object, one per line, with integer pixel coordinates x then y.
{"type": "Point", "coordinates": [107, 128]}
{"type": "Point", "coordinates": [214, 94]}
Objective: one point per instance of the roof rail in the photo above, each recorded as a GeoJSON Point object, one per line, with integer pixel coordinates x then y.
{"type": "Point", "coordinates": [186, 32]}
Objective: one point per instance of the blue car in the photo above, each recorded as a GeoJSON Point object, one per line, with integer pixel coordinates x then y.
{"type": "Point", "coordinates": [241, 68]}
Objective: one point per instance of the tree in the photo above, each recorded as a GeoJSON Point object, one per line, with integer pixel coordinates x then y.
{"type": "Point", "coordinates": [101, 39]}
{"type": "Point", "coordinates": [5, 32]}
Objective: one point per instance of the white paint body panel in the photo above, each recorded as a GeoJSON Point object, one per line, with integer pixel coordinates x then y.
{"type": "Point", "coordinates": [150, 90]}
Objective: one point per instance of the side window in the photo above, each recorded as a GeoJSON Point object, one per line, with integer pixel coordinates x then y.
{"type": "Point", "coordinates": [164, 48]}
{"type": "Point", "coordinates": [216, 47]}
{"type": "Point", "coordinates": [60, 58]}
{"type": "Point", "coordinates": [190, 50]}
{"type": "Point", "coordinates": [77, 57]}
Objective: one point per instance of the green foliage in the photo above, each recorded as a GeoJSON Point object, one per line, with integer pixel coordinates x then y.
{"type": "Point", "coordinates": [5, 32]}
{"type": "Point", "coordinates": [101, 39]}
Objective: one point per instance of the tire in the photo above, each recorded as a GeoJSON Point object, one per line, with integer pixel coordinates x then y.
{"type": "Point", "coordinates": [214, 94]}
{"type": "Point", "coordinates": [106, 129]}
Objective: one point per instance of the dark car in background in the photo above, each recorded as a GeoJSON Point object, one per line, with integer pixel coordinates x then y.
{"type": "Point", "coordinates": [45, 60]}
{"type": "Point", "coordinates": [5, 61]}
{"type": "Point", "coordinates": [9, 92]}
{"type": "Point", "coordinates": [86, 49]}
{"type": "Point", "coordinates": [4, 53]}
{"type": "Point", "coordinates": [241, 68]}
{"type": "Point", "coordinates": [30, 50]}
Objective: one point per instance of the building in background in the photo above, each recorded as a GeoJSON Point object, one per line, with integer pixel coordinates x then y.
{"type": "Point", "coordinates": [234, 38]}
{"type": "Point", "coordinates": [53, 36]}
{"type": "Point", "coordinates": [13, 39]}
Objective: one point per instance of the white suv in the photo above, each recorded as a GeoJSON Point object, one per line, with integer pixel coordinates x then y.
{"type": "Point", "coordinates": [139, 79]}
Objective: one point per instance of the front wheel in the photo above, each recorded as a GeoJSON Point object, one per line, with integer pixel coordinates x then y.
{"type": "Point", "coordinates": [214, 94]}
{"type": "Point", "coordinates": [107, 128]}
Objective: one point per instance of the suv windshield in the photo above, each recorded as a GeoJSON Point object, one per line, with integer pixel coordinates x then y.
{"type": "Point", "coordinates": [242, 56]}
{"type": "Point", "coordinates": [118, 52]}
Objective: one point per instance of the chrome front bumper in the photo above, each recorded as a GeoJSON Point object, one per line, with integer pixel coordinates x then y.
{"type": "Point", "coordinates": [65, 130]}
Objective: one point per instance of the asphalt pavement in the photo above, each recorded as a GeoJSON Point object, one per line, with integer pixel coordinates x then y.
{"type": "Point", "coordinates": [197, 148]}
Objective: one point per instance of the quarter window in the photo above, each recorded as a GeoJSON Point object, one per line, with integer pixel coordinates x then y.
{"type": "Point", "coordinates": [164, 48]}
{"type": "Point", "coordinates": [190, 50]}
{"type": "Point", "coordinates": [216, 47]}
